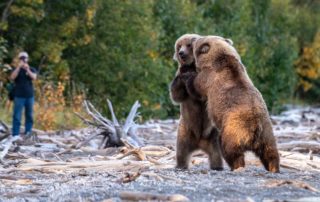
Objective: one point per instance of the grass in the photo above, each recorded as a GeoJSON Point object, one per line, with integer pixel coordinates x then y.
{"type": "Point", "coordinates": [64, 119]}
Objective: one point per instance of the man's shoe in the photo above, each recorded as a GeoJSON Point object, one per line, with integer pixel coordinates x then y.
{"type": "Point", "coordinates": [31, 138]}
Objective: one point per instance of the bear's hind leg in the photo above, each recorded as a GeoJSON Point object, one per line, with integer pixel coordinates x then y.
{"type": "Point", "coordinates": [232, 151]}
{"type": "Point", "coordinates": [215, 158]}
{"type": "Point", "coordinates": [185, 147]}
{"type": "Point", "coordinates": [234, 159]}
{"type": "Point", "coordinates": [269, 157]}
{"type": "Point", "coordinates": [212, 147]}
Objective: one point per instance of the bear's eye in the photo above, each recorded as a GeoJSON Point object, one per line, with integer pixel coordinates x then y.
{"type": "Point", "coordinates": [178, 47]}
{"type": "Point", "coordinates": [189, 45]}
{"type": "Point", "coordinates": [204, 49]}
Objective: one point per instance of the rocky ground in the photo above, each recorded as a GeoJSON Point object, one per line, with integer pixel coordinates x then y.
{"type": "Point", "coordinates": [53, 170]}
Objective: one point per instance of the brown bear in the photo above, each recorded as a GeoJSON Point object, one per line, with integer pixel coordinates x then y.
{"type": "Point", "coordinates": [195, 130]}
{"type": "Point", "coordinates": [233, 103]}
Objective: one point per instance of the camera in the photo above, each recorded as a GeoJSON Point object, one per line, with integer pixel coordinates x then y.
{"type": "Point", "coordinates": [23, 58]}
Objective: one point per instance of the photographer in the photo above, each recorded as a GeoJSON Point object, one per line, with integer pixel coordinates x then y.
{"type": "Point", "coordinates": [23, 94]}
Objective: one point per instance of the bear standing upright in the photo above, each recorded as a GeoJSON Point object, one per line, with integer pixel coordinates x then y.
{"type": "Point", "coordinates": [195, 130]}
{"type": "Point", "coordinates": [233, 103]}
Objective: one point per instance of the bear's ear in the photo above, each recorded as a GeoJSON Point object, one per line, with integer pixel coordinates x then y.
{"type": "Point", "coordinates": [229, 41]}
{"type": "Point", "coordinates": [204, 48]}
{"type": "Point", "coordinates": [193, 39]}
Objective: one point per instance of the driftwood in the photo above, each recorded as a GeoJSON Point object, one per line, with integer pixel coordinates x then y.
{"type": "Point", "coordinates": [5, 131]}
{"type": "Point", "coordinates": [309, 199]}
{"type": "Point", "coordinates": [114, 133]}
{"type": "Point", "coordinates": [86, 152]}
{"type": "Point", "coordinates": [304, 146]}
{"type": "Point", "coordinates": [298, 184]}
{"type": "Point", "coordinates": [6, 146]}
{"type": "Point", "coordinates": [143, 196]}
{"type": "Point", "coordinates": [129, 177]}
{"type": "Point", "coordinates": [298, 161]}
{"type": "Point", "coordinates": [32, 164]}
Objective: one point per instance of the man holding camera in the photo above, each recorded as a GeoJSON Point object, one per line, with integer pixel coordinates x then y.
{"type": "Point", "coordinates": [22, 76]}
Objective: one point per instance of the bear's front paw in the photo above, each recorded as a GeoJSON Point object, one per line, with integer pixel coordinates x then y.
{"type": "Point", "coordinates": [186, 76]}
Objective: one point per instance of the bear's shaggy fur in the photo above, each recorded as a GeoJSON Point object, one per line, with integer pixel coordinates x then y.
{"type": "Point", "coordinates": [195, 129]}
{"type": "Point", "coordinates": [233, 103]}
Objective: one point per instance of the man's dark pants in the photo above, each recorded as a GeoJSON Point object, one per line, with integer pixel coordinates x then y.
{"type": "Point", "coordinates": [19, 104]}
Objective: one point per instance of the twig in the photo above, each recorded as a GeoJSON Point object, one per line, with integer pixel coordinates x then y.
{"type": "Point", "coordinates": [129, 177]}
{"type": "Point", "coordinates": [310, 155]}
{"type": "Point", "coordinates": [136, 152]}
{"type": "Point", "coordinates": [86, 140]}
{"type": "Point", "coordinates": [149, 174]}
{"type": "Point", "coordinates": [5, 12]}
{"type": "Point", "coordinates": [84, 120]}
{"type": "Point", "coordinates": [58, 157]}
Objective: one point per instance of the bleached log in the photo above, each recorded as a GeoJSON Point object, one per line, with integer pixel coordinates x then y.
{"type": "Point", "coordinates": [299, 161]}
{"type": "Point", "coordinates": [309, 199]}
{"type": "Point", "coordinates": [308, 145]}
{"type": "Point", "coordinates": [144, 196]}
{"type": "Point", "coordinates": [298, 156]}
{"type": "Point", "coordinates": [107, 165]}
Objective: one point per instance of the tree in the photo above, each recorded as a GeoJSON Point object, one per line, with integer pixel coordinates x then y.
{"type": "Point", "coordinates": [122, 59]}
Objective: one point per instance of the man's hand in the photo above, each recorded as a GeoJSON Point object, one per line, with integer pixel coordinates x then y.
{"type": "Point", "coordinates": [25, 66]}
{"type": "Point", "coordinates": [15, 73]}
{"type": "Point", "coordinates": [32, 75]}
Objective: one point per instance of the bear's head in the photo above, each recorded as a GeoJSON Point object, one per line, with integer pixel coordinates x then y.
{"type": "Point", "coordinates": [210, 50]}
{"type": "Point", "coordinates": [183, 49]}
